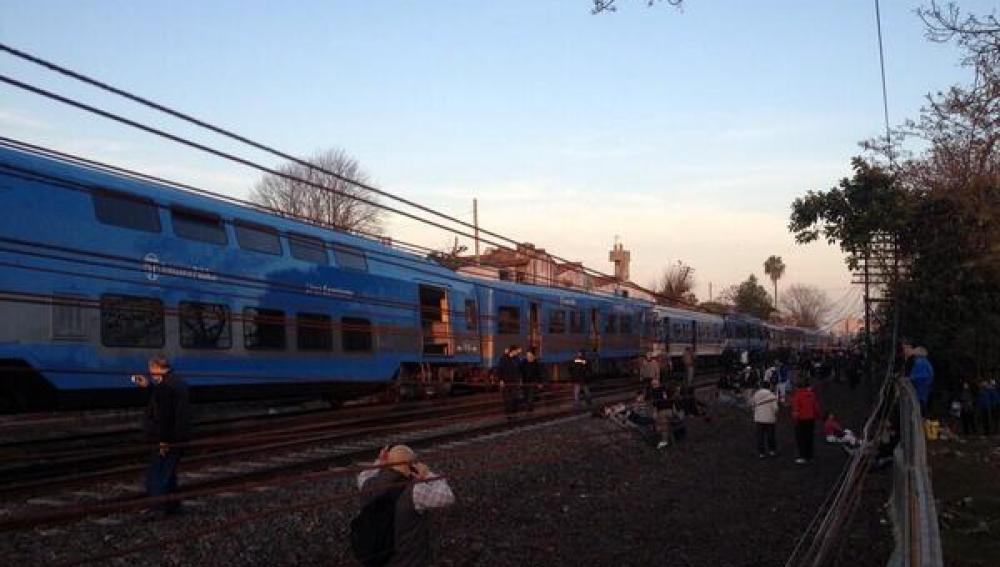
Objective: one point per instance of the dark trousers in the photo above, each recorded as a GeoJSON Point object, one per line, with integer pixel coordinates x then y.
{"type": "Point", "coordinates": [528, 396]}
{"type": "Point", "coordinates": [765, 438]}
{"type": "Point", "coordinates": [804, 437]}
{"type": "Point", "coordinates": [968, 422]}
{"type": "Point", "coordinates": [511, 398]}
{"type": "Point", "coordinates": [161, 477]}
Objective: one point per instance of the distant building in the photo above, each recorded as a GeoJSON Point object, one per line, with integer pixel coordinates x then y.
{"type": "Point", "coordinates": [530, 265]}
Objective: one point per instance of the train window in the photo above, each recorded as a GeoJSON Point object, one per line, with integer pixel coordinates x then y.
{"type": "Point", "coordinates": [67, 317]}
{"type": "Point", "coordinates": [128, 321]}
{"type": "Point", "coordinates": [625, 324]}
{"type": "Point", "coordinates": [611, 324]}
{"type": "Point", "coordinates": [356, 334]}
{"type": "Point", "coordinates": [127, 211]}
{"type": "Point", "coordinates": [508, 321]}
{"type": "Point", "coordinates": [471, 315]}
{"type": "Point", "coordinates": [263, 329]}
{"type": "Point", "coordinates": [557, 321]}
{"type": "Point", "coordinates": [258, 238]}
{"type": "Point", "coordinates": [350, 258]}
{"type": "Point", "coordinates": [313, 331]}
{"type": "Point", "coordinates": [576, 322]}
{"type": "Point", "coordinates": [204, 325]}
{"type": "Point", "coordinates": [308, 249]}
{"type": "Point", "coordinates": [194, 225]}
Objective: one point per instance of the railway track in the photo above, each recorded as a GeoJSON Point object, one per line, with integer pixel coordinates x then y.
{"type": "Point", "coordinates": [115, 492]}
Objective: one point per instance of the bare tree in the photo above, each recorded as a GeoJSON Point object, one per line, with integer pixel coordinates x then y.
{"type": "Point", "coordinates": [806, 306]}
{"type": "Point", "coordinates": [610, 5]}
{"type": "Point", "coordinates": [333, 202]}
{"type": "Point", "coordinates": [676, 283]}
{"type": "Point", "coordinates": [774, 268]}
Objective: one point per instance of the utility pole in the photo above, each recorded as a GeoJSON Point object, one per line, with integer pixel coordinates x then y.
{"type": "Point", "coordinates": [475, 223]}
{"type": "Point", "coordinates": [710, 292]}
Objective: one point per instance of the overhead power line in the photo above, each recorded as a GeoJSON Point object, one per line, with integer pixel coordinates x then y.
{"type": "Point", "coordinates": [243, 139]}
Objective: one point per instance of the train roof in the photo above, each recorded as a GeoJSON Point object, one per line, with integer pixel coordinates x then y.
{"type": "Point", "coordinates": [170, 196]}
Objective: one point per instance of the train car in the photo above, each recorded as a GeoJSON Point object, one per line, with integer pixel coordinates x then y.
{"type": "Point", "coordinates": [674, 330]}
{"type": "Point", "coordinates": [103, 270]}
{"type": "Point", "coordinates": [558, 323]}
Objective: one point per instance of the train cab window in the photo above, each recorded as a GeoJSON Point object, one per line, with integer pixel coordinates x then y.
{"type": "Point", "coordinates": [308, 249]}
{"type": "Point", "coordinates": [557, 321]}
{"type": "Point", "coordinates": [128, 321]}
{"type": "Point", "coordinates": [356, 334]}
{"type": "Point", "coordinates": [576, 322]}
{"type": "Point", "coordinates": [471, 315]}
{"type": "Point", "coordinates": [509, 321]}
{"type": "Point", "coordinates": [350, 258]}
{"type": "Point", "coordinates": [127, 211]}
{"type": "Point", "coordinates": [195, 225]}
{"type": "Point", "coordinates": [611, 324]}
{"type": "Point", "coordinates": [263, 329]}
{"type": "Point", "coordinates": [258, 238]}
{"type": "Point", "coordinates": [204, 325]}
{"type": "Point", "coordinates": [313, 331]}
{"type": "Point", "coordinates": [625, 324]}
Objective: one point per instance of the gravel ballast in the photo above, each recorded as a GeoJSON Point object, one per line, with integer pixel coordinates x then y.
{"type": "Point", "coordinates": [581, 491]}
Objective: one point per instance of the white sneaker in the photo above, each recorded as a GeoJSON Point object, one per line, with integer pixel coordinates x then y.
{"type": "Point", "coordinates": [800, 461]}
{"type": "Point", "coordinates": [661, 444]}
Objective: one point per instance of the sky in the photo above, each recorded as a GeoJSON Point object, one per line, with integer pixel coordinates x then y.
{"type": "Point", "coordinates": [685, 134]}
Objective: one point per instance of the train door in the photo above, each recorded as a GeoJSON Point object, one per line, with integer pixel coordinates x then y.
{"type": "Point", "coordinates": [435, 320]}
{"type": "Point", "coordinates": [534, 329]}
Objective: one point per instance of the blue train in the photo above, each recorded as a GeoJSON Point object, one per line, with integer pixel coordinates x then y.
{"type": "Point", "coordinates": [101, 269]}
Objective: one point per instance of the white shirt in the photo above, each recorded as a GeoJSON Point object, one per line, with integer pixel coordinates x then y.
{"type": "Point", "coordinates": [432, 492]}
{"type": "Point", "coordinates": [765, 406]}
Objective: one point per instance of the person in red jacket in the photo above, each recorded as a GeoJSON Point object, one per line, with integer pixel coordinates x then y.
{"type": "Point", "coordinates": [805, 412]}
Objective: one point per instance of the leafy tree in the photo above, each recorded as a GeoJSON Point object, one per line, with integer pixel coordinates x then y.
{"type": "Point", "coordinates": [717, 307]}
{"type": "Point", "coordinates": [750, 297]}
{"type": "Point", "coordinates": [774, 268]}
{"type": "Point", "coordinates": [942, 206]}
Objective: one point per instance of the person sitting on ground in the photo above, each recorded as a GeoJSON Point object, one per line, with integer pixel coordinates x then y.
{"type": "Point", "coordinates": [834, 432]}
{"type": "Point", "coordinates": [405, 488]}
{"type": "Point", "coordinates": [637, 416]}
{"type": "Point", "coordinates": [886, 447]}
{"type": "Point", "coordinates": [692, 405]}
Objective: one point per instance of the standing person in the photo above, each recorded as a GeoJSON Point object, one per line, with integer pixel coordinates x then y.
{"type": "Point", "coordinates": [657, 396]}
{"type": "Point", "coordinates": [765, 415]}
{"type": "Point", "coordinates": [649, 370]}
{"type": "Point", "coordinates": [805, 412]}
{"type": "Point", "coordinates": [510, 373]}
{"type": "Point", "coordinates": [967, 404]}
{"type": "Point", "coordinates": [395, 496]}
{"type": "Point", "coordinates": [688, 359]}
{"type": "Point", "coordinates": [920, 373]}
{"type": "Point", "coordinates": [579, 372]}
{"type": "Point", "coordinates": [534, 375]}
{"type": "Point", "coordinates": [167, 423]}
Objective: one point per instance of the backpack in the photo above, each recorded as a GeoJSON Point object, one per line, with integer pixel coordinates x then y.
{"type": "Point", "coordinates": [373, 530]}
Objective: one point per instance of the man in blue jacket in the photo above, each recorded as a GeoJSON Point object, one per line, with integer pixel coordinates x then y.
{"type": "Point", "coordinates": [921, 373]}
